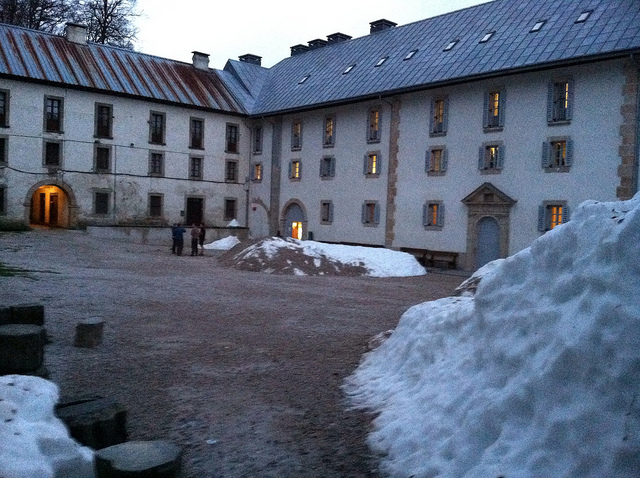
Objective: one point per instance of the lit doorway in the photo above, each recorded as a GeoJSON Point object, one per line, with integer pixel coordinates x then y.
{"type": "Point", "coordinates": [294, 221]}
{"type": "Point", "coordinates": [49, 207]}
{"type": "Point", "coordinates": [296, 230]}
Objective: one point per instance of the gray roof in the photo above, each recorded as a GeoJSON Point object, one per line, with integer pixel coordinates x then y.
{"type": "Point", "coordinates": [612, 29]}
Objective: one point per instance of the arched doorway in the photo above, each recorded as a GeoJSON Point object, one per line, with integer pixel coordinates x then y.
{"type": "Point", "coordinates": [488, 245]}
{"type": "Point", "coordinates": [49, 206]}
{"type": "Point", "coordinates": [295, 222]}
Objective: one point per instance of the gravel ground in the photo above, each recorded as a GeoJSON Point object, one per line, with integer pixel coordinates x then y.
{"type": "Point", "coordinates": [242, 369]}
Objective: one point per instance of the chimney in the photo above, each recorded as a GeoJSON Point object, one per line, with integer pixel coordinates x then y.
{"type": "Point", "coordinates": [253, 59]}
{"type": "Point", "coordinates": [299, 49]}
{"type": "Point", "coordinates": [337, 38]}
{"type": "Point", "coordinates": [76, 33]}
{"type": "Point", "coordinates": [200, 60]}
{"type": "Point", "coordinates": [381, 25]}
{"type": "Point", "coordinates": [317, 43]}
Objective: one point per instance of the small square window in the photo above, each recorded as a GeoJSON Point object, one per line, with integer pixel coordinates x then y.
{"type": "Point", "coordinates": [348, 69]}
{"type": "Point", "coordinates": [381, 61]}
{"type": "Point", "coordinates": [256, 172]}
{"type": "Point", "coordinates": [486, 37]}
{"type": "Point", "coordinates": [102, 159]}
{"type": "Point", "coordinates": [584, 16]}
{"type": "Point", "coordinates": [326, 212]}
{"type": "Point", "coordinates": [410, 55]}
{"type": "Point", "coordinates": [155, 205]}
{"type": "Point", "coordinates": [195, 167]}
{"type": "Point", "coordinates": [327, 167]}
{"type": "Point", "coordinates": [230, 209]}
{"type": "Point", "coordinates": [372, 164]}
{"type": "Point", "coordinates": [450, 45]}
{"type": "Point", "coordinates": [156, 164]}
{"type": "Point", "coordinates": [52, 154]}
{"type": "Point", "coordinates": [557, 155]}
{"type": "Point", "coordinates": [436, 161]}
{"type": "Point", "coordinates": [494, 113]}
{"type": "Point", "coordinates": [491, 158]}
{"type": "Point", "coordinates": [53, 109]}
{"type": "Point", "coordinates": [552, 214]}
{"type": "Point", "coordinates": [295, 169]}
{"type": "Point", "coordinates": [101, 203]}
{"type": "Point", "coordinates": [537, 26]}
{"type": "Point", "coordinates": [433, 215]}
{"type": "Point", "coordinates": [303, 79]}
{"type": "Point", "coordinates": [560, 101]}
{"type": "Point", "coordinates": [370, 213]}
{"type": "Point", "coordinates": [231, 171]}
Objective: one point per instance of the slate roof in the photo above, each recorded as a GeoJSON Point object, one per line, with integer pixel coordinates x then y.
{"type": "Point", "coordinates": [612, 29]}
{"type": "Point", "coordinates": [51, 58]}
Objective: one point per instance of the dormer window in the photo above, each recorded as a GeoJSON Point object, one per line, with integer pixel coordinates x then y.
{"type": "Point", "coordinates": [486, 37]}
{"type": "Point", "coordinates": [410, 54]}
{"type": "Point", "coordinates": [303, 79]}
{"type": "Point", "coordinates": [348, 69]}
{"type": "Point", "coordinates": [450, 45]}
{"type": "Point", "coordinates": [381, 61]}
{"type": "Point", "coordinates": [583, 16]}
{"type": "Point", "coordinates": [538, 26]}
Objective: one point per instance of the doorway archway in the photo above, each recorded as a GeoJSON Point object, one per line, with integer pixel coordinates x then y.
{"type": "Point", "coordinates": [52, 204]}
{"type": "Point", "coordinates": [294, 223]}
{"type": "Point", "coordinates": [488, 247]}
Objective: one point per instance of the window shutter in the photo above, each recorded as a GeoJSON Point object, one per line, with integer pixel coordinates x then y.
{"type": "Point", "coordinates": [485, 113]}
{"type": "Point", "coordinates": [501, 106]}
{"type": "Point", "coordinates": [569, 157]}
{"type": "Point", "coordinates": [440, 219]}
{"type": "Point", "coordinates": [299, 169]}
{"type": "Point", "coordinates": [445, 159]}
{"type": "Point", "coordinates": [481, 158]}
{"type": "Point", "coordinates": [550, 91]}
{"type": "Point", "coordinates": [425, 214]}
{"type": "Point", "coordinates": [322, 171]}
{"type": "Point", "coordinates": [332, 167]}
{"type": "Point", "coordinates": [546, 154]}
{"type": "Point", "coordinates": [445, 114]}
{"type": "Point", "coordinates": [569, 113]}
{"type": "Point", "coordinates": [500, 160]}
{"type": "Point", "coordinates": [566, 214]}
{"type": "Point", "coordinates": [431, 125]}
{"type": "Point", "coordinates": [427, 161]}
{"type": "Point", "coordinates": [330, 212]}
{"type": "Point", "coordinates": [376, 214]}
{"type": "Point", "coordinates": [253, 172]}
{"type": "Point", "coordinates": [378, 164]}
{"type": "Point", "coordinates": [542, 218]}
{"type": "Point", "coordinates": [364, 213]}
{"type": "Point", "coordinates": [290, 169]}
{"type": "Point", "coordinates": [365, 167]}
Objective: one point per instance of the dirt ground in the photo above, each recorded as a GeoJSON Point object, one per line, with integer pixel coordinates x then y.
{"type": "Point", "coordinates": [242, 369]}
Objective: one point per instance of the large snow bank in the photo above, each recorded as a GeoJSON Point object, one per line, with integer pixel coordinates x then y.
{"type": "Point", "coordinates": [537, 376]}
{"type": "Point", "coordinates": [33, 442]}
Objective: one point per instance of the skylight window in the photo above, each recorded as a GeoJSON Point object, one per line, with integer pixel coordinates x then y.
{"type": "Point", "coordinates": [381, 61]}
{"type": "Point", "coordinates": [348, 69]}
{"type": "Point", "coordinates": [538, 26]}
{"type": "Point", "coordinates": [450, 45]}
{"type": "Point", "coordinates": [303, 79]}
{"type": "Point", "coordinates": [486, 37]}
{"type": "Point", "coordinates": [410, 54]}
{"type": "Point", "coordinates": [583, 16]}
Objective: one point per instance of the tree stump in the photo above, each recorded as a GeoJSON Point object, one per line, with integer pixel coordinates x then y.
{"type": "Point", "coordinates": [21, 348]}
{"type": "Point", "coordinates": [139, 459]}
{"type": "Point", "coordinates": [27, 314]}
{"type": "Point", "coordinates": [89, 333]}
{"type": "Point", "coordinates": [94, 421]}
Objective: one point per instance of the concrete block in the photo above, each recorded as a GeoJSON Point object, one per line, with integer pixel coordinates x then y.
{"type": "Point", "coordinates": [27, 314]}
{"type": "Point", "coordinates": [139, 459]}
{"type": "Point", "coordinates": [21, 348]}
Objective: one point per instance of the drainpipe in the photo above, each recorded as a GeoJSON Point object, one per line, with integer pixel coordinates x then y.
{"type": "Point", "coordinates": [115, 170]}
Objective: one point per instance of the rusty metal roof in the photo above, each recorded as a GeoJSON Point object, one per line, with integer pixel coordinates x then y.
{"type": "Point", "coordinates": [51, 58]}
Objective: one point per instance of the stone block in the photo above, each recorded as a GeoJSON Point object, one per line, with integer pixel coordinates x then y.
{"type": "Point", "coordinates": [139, 459]}
{"type": "Point", "coordinates": [27, 314]}
{"type": "Point", "coordinates": [94, 421]}
{"type": "Point", "coordinates": [89, 333]}
{"type": "Point", "coordinates": [5, 315]}
{"type": "Point", "coordinates": [21, 348]}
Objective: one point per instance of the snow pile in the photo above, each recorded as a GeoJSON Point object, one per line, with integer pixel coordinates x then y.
{"type": "Point", "coordinates": [292, 256]}
{"type": "Point", "coordinates": [537, 375]}
{"type": "Point", "coordinates": [33, 442]}
{"type": "Point", "coordinates": [223, 244]}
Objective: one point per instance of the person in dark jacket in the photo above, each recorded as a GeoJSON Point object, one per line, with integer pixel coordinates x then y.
{"type": "Point", "coordinates": [201, 236]}
{"type": "Point", "coordinates": [177, 232]}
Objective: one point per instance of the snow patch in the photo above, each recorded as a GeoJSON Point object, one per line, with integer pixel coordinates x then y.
{"type": "Point", "coordinates": [223, 244]}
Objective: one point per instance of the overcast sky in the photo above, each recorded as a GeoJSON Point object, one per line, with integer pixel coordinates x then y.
{"type": "Point", "coordinates": [228, 29]}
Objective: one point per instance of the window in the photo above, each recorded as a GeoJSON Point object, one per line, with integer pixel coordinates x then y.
{"type": "Point", "coordinates": [328, 137]}
{"type": "Point", "coordinates": [156, 128]}
{"type": "Point", "coordinates": [494, 109]}
{"type": "Point", "coordinates": [557, 154]}
{"type": "Point", "coordinates": [102, 159]}
{"type": "Point", "coordinates": [439, 116]}
{"type": "Point", "coordinates": [583, 16]}
{"type": "Point", "coordinates": [101, 203]}
{"type": "Point", "coordinates": [53, 154]}
{"type": "Point", "coordinates": [3, 150]}
{"type": "Point", "coordinates": [538, 26]}
{"type": "Point", "coordinates": [195, 167]}
{"type": "Point", "coordinates": [491, 158]}
{"type": "Point", "coordinates": [348, 69]}
{"type": "Point", "coordinates": [3, 200]}
{"type": "Point", "coordinates": [256, 172]}
{"type": "Point", "coordinates": [381, 61]}
{"type": "Point", "coordinates": [436, 161]}
{"type": "Point", "coordinates": [257, 140]}
{"type": "Point", "coordinates": [196, 133]}
{"type": "Point", "coordinates": [410, 55]}
{"type": "Point", "coordinates": [327, 167]}
{"type": "Point", "coordinates": [450, 45]}
{"type": "Point", "coordinates": [552, 214]}
{"type": "Point", "coordinates": [373, 126]}
{"type": "Point", "coordinates": [303, 79]}
{"type": "Point", "coordinates": [232, 138]}
{"type": "Point", "coordinates": [326, 212]}
{"type": "Point", "coordinates": [231, 171]}
{"type": "Point", "coordinates": [433, 215]}
{"type": "Point", "coordinates": [372, 164]}
{"type": "Point", "coordinates": [296, 135]}
{"type": "Point", "coordinates": [230, 209]}
{"type": "Point", "coordinates": [103, 121]}
{"type": "Point", "coordinates": [156, 164]}
{"type": "Point", "coordinates": [486, 37]}
{"type": "Point", "coordinates": [155, 205]}
{"type": "Point", "coordinates": [53, 114]}
{"type": "Point", "coordinates": [295, 169]}
{"type": "Point", "coordinates": [370, 213]}
{"type": "Point", "coordinates": [4, 108]}
{"type": "Point", "coordinates": [560, 101]}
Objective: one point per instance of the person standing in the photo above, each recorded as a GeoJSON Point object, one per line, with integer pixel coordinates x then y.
{"type": "Point", "coordinates": [178, 238]}
{"type": "Point", "coordinates": [201, 236]}
{"type": "Point", "coordinates": [195, 233]}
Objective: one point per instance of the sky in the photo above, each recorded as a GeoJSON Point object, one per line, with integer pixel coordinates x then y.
{"type": "Point", "coordinates": [226, 30]}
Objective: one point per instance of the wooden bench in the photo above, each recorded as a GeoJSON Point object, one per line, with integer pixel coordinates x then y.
{"type": "Point", "coordinates": [430, 258]}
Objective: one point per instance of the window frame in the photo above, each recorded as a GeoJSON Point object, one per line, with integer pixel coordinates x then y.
{"type": "Point", "coordinates": [439, 122]}
{"type": "Point", "coordinates": [374, 125]}
{"type": "Point", "coordinates": [327, 167]}
{"type": "Point", "coordinates": [96, 158]}
{"type": "Point", "coordinates": [295, 169]}
{"type": "Point", "coordinates": [151, 208]}
{"type": "Point", "coordinates": [433, 209]}
{"type": "Point", "coordinates": [155, 158]}
{"type": "Point", "coordinates": [225, 209]}
{"type": "Point", "coordinates": [4, 116]}
{"type": "Point", "coordinates": [326, 212]}
{"type": "Point", "coordinates": [430, 168]}
{"type": "Point", "coordinates": [484, 161]}
{"type": "Point", "coordinates": [99, 127]}
{"type": "Point", "coordinates": [231, 166]}
{"type": "Point", "coordinates": [59, 121]}
{"type": "Point", "coordinates": [155, 136]}
{"type": "Point", "coordinates": [370, 216]}
{"type": "Point", "coordinates": [560, 115]}
{"type": "Point", "coordinates": [549, 163]}
{"type": "Point", "coordinates": [232, 138]}
{"type": "Point", "coordinates": [545, 215]}
{"type": "Point", "coordinates": [3, 199]}
{"type": "Point", "coordinates": [193, 174]}
{"type": "Point", "coordinates": [490, 120]}
{"type": "Point", "coordinates": [296, 135]}
{"type": "Point", "coordinates": [257, 172]}
{"type": "Point", "coordinates": [257, 140]}
{"type": "Point", "coordinates": [329, 137]}
{"type": "Point", "coordinates": [372, 168]}
{"type": "Point", "coordinates": [196, 141]}
{"type": "Point", "coordinates": [45, 162]}
{"type": "Point", "coordinates": [96, 203]}
{"type": "Point", "coordinates": [4, 150]}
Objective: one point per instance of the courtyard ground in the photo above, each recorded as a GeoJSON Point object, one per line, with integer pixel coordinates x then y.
{"type": "Point", "coordinates": [242, 369]}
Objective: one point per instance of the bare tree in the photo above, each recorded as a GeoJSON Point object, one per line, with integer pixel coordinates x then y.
{"type": "Point", "coordinates": [108, 21]}
{"type": "Point", "coordinates": [46, 15]}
